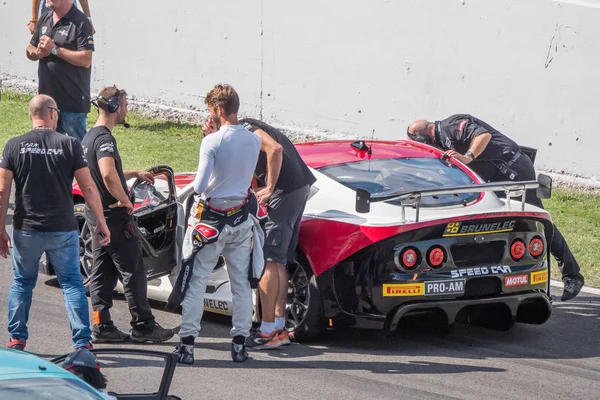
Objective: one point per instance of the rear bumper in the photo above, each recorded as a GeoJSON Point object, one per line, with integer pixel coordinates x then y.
{"type": "Point", "coordinates": [531, 308]}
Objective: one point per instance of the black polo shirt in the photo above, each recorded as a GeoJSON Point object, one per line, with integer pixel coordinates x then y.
{"type": "Point", "coordinates": [98, 143]}
{"type": "Point", "coordinates": [294, 173]}
{"type": "Point", "coordinates": [66, 83]}
{"type": "Point", "coordinates": [43, 163]}
{"type": "Point", "coordinates": [456, 133]}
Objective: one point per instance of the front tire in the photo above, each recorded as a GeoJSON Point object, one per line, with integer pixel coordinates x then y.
{"type": "Point", "coordinates": [85, 243]}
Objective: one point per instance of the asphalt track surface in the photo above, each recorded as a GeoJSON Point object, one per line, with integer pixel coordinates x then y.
{"type": "Point", "coordinates": [557, 360]}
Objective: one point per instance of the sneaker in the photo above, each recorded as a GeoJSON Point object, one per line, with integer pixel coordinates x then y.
{"type": "Point", "coordinates": [284, 337]}
{"type": "Point", "coordinates": [572, 288]}
{"type": "Point", "coordinates": [111, 335]}
{"type": "Point", "coordinates": [238, 352]}
{"type": "Point", "coordinates": [16, 344]}
{"type": "Point", "coordinates": [156, 334]}
{"type": "Point", "coordinates": [258, 340]}
{"type": "Point", "coordinates": [185, 353]}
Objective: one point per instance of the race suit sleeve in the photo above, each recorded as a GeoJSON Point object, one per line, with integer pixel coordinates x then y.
{"type": "Point", "coordinates": [208, 149]}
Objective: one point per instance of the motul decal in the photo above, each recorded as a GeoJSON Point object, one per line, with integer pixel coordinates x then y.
{"type": "Point", "coordinates": [517, 280]}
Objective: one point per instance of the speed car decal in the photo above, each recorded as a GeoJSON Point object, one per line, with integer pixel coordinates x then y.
{"type": "Point", "coordinates": [504, 269]}
{"type": "Point", "coordinates": [539, 277]}
{"type": "Point", "coordinates": [403, 289]}
{"type": "Point", "coordinates": [462, 229]}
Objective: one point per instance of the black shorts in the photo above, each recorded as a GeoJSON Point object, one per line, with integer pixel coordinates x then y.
{"type": "Point", "coordinates": [283, 225]}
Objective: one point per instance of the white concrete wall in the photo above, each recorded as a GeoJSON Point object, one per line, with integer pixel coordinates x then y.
{"type": "Point", "coordinates": [527, 67]}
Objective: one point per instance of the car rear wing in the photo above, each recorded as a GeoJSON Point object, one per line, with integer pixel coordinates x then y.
{"type": "Point", "coordinates": [543, 186]}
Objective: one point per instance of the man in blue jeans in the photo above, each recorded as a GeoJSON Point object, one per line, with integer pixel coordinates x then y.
{"type": "Point", "coordinates": [63, 44]}
{"type": "Point", "coordinates": [43, 164]}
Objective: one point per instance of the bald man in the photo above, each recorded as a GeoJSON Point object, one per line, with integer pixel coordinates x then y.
{"type": "Point", "coordinates": [43, 164]}
{"type": "Point", "coordinates": [495, 158]}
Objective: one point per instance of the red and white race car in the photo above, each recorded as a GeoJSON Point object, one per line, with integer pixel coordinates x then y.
{"type": "Point", "coordinates": [391, 229]}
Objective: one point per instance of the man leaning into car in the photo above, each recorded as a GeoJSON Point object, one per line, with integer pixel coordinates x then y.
{"type": "Point", "coordinates": [123, 257]}
{"type": "Point", "coordinates": [495, 158]}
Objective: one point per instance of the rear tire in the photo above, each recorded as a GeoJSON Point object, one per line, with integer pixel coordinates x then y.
{"type": "Point", "coordinates": [304, 319]}
{"type": "Point", "coordinates": [85, 243]}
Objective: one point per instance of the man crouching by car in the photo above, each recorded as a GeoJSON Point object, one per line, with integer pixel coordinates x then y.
{"type": "Point", "coordinates": [124, 254]}
{"type": "Point", "coordinates": [220, 222]}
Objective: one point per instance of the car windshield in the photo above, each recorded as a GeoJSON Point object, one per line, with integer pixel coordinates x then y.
{"type": "Point", "coordinates": [397, 175]}
{"type": "Point", "coordinates": [47, 388]}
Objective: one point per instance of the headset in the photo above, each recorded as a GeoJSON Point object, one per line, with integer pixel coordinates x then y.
{"type": "Point", "coordinates": [112, 104]}
{"type": "Point", "coordinates": [419, 137]}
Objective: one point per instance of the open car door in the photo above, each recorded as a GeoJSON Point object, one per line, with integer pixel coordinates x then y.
{"type": "Point", "coordinates": [156, 370]}
{"type": "Point", "coordinates": [155, 211]}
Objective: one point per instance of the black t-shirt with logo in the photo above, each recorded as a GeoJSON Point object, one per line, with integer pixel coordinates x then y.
{"type": "Point", "coordinates": [98, 143]}
{"type": "Point", "coordinates": [43, 163]}
{"type": "Point", "coordinates": [294, 173]}
{"type": "Point", "coordinates": [67, 84]}
{"type": "Point", "coordinates": [457, 132]}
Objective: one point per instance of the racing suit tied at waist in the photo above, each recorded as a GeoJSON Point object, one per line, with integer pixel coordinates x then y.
{"type": "Point", "coordinates": [205, 225]}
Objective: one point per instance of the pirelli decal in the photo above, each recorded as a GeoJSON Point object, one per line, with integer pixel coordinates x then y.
{"type": "Point", "coordinates": [465, 229]}
{"type": "Point", "coordinates": [539, 277]}
{"type": "Point", "coordinates": [404, 290]}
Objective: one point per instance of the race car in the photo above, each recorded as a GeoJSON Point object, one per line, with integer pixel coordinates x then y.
{"type": "Point", "coordinates": [391, 229]}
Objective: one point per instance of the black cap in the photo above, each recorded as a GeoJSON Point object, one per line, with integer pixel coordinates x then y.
{"type": "Point", "coordinates": [81, 358]}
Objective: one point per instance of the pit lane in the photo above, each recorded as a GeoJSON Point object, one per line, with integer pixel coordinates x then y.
{"type": "Point", "coordinates": [557, 360]}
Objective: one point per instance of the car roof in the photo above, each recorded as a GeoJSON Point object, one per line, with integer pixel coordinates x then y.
{"type": "Point", "coordinates": [332, 152]}
{"type": "Point", "coordinates": [22, 365]}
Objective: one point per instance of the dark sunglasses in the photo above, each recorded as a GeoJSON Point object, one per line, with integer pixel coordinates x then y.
{"type": "Point", "coordinates": [54, 108]}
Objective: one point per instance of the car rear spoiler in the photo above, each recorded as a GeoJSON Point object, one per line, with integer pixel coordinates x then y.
{"type": "Point", "coordinates": [543, 186]}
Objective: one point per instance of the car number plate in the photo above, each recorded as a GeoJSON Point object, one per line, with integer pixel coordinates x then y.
{"type": "Point", "coordinates": [455, 286]}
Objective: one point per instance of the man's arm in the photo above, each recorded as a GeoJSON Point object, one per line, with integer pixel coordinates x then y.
{"type": "Point", "coordinates": [112, 182]}
{"type": "Point", "coordinates": [92, 199]}
{"type": "Point", "coordinates": [35, 6]}
{"type": "Point", "coordinates": [274, 152]}
{"type": "Point", "coordinates": [85, 7]}
{"type": "Point", "coordinates": [6, 177]}
{"type": "Point", "coordinates": [205, 166]}
{"type": "Point", "coordinates": [31, 53]}
{"type": "Point", "coordinates": [479, 144]}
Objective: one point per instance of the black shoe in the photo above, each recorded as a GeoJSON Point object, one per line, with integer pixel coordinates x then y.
{"type": "Point", "coordinates": [155, 333]}
{"type": "Point", "coordinates": [238, 352]}
{"type": "Point", "coordinates": [185, 352]}
{"type": "Point", "coordinates": [111, 335]}
{"type": "Point", "coordinates": [572, 288]}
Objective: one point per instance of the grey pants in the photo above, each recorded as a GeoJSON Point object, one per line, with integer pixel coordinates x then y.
{"type": "Point", "coordinates": [235, 245]}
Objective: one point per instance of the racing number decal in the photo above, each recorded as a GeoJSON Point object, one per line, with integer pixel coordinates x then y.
{"type": "Point", "coordinates": [452, 227]}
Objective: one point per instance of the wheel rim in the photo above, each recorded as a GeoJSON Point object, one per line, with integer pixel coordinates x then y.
{"type": "Point", "coordinates": [298, 297]}
{"type": "Point", "coordinates": [85, 251]}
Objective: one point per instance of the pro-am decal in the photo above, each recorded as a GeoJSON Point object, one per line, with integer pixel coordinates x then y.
{"type": "Point", "coordinates": [436, 288]}
{"type": "Point", "coordinates": [476, 271]}
{"type": "Point", "coordinates": [465, 229]}
{"type": "Point", "coordinates": [403, 289]}
{"type": "Point", "coordinates": [539, 277]}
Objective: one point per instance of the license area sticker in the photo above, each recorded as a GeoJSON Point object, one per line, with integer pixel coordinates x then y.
{"type": "Point", "coordinates": [436, 288]}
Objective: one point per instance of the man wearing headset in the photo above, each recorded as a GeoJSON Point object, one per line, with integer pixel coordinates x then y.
{"type": "Point", "coordinates": [123, 257]}
{"type": "Point", "coordinates": [495, 158]}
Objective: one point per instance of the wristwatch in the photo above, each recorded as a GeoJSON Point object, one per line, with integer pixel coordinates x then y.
{"type": "Point", "coordinates": [54, 51]}
{"type": "Point", "coordinates": [470, 154]}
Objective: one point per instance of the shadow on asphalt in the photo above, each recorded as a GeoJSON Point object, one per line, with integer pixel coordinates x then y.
{"type": "Point", "coordinates": [570, 333]}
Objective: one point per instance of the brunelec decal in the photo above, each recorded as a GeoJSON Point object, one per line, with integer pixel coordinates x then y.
{"type": "Point", "coordinates": [462, 229]}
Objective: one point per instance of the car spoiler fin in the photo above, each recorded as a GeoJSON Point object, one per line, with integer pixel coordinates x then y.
{"type": "Point", "coordinates": [543, 186]}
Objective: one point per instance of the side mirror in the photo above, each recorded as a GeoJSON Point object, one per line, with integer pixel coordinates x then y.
{"type": "Point", "coordinates": [545, 189]}
{"type": "Point", "coordinates": [363, 201]}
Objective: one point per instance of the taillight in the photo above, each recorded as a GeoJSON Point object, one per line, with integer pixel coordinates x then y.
{"type": "Point", "coordinates": [436, 257]}
{"type": "Point", "coordinates": [536, 247]}
{"type": "Point", "coordinates": [409, 258]}
{"type": "Point", "coordinates": [517, 249]}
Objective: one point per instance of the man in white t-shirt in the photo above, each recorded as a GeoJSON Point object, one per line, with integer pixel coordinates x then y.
{"type": "Point", "coordinates": [222, 185]}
